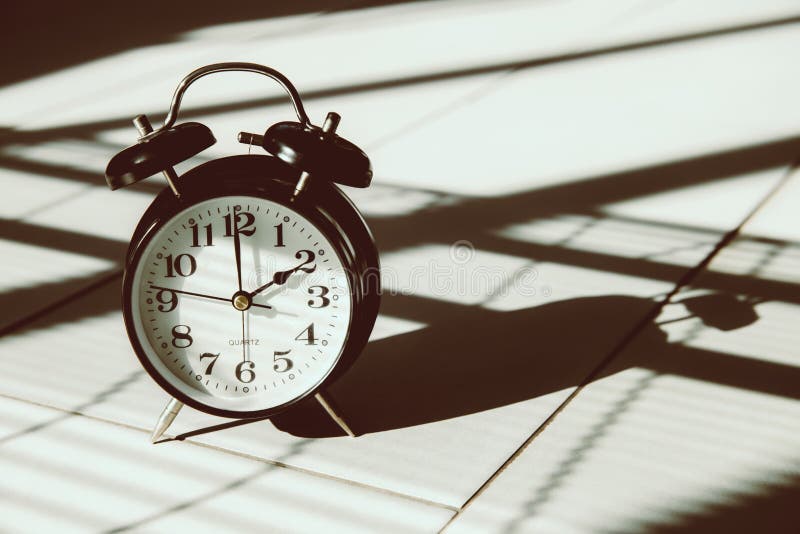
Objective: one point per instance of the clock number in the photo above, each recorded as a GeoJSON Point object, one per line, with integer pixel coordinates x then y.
{"type": "Point", "coordinates": [213, 361]}
{"type": "Point", "coordinates": [180, 339]}
{"type": "Point", "coordinates": [196, 236]}
{"type": "Point", "coordinates": [178, 265]}
{"type": "Point", "coordinates": [286, 362]}
{"type": "Point", "coordinates": [172, 302]}
{"type": "Point", "coordinates": [309, 258]}
{"type": "Point", "coordinates": [318, 292]}
{"type": "Point", "coordinates": [309, 339]}
{"type": "Point", "coordinates": [243, 229]}
{"type": "Point", "coordinates": [245, 373]}
{"type": "Point", "coordinates": [279, 235]}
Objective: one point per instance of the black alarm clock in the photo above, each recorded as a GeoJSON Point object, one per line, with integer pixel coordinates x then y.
{"type": "Point", "coordinates": [251, 282]}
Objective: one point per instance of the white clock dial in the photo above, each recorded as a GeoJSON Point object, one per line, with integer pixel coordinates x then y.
{"type": "Point", "coordinates": [241, 349]}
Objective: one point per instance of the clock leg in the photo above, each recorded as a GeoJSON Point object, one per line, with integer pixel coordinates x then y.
{"type": "Point", "coordinates": [334, 415]}
{"type": "Point", "coordinates": [167, 416]}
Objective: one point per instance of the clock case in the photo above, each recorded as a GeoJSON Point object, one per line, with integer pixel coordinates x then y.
{"type": "Point", "coordinates": [321, 202]}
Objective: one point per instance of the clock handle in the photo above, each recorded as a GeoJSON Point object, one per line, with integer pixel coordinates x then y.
{"type": "Point", "coordinates": [196, 74]}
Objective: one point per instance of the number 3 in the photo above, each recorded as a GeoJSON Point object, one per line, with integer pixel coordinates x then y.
{"type": "Point", "coordinates": [323, 300]}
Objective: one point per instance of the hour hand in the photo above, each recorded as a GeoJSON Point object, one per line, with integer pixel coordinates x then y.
{"type": "Point", "coordinates": [281, 277]}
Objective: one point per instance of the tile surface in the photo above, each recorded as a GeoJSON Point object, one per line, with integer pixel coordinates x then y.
{"type": "Point", "coordinates": [693, 427]}
{"type": "Point", "coordinates": [89, 475]}
{"type": "Point", "coordinates": [546, 172]}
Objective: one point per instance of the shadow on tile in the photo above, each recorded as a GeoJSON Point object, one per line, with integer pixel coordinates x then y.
{"type": "Point", "coordinates": [109, 29]}
{"type": "Point", "coordinates": [480, 360]}
{"type": "Point", "coordinates": [771, 510]}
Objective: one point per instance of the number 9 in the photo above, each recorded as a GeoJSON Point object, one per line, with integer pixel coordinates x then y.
{"type": "Point", "coordinates": [172, 302]}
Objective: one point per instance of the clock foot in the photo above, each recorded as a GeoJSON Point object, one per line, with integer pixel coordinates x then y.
{"type": "Point", "coordinates": [167, 417]}
{"type": "Point", "coordinates": [339, 421]}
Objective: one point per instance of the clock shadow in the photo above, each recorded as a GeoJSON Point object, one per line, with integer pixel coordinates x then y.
{"type": "Point", "coordinates": [475, 360]}
{"type": "Point", "coordinates": [479, 359]}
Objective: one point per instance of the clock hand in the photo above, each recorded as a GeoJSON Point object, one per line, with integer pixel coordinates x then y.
{"type": "Point", "coordinates": [190, 293]}
{"type": "Point", "coordinates": [280, 277]}
{"type": "Point", "coordinates": [244, 345]}
{"type": "Point", "coordinates": [204, 296]}
{"type": "Point", "coordinates": [237, 247]}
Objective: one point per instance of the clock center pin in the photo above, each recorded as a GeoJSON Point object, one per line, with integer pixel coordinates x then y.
{"type": "Point", "coordinates": [241, 300]}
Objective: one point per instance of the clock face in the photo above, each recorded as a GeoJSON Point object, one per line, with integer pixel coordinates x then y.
{"type": "Point", "coordinates": [247, 338]}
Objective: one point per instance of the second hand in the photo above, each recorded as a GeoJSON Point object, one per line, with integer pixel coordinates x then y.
{"type": "Point", "coordinates": [244, 345]}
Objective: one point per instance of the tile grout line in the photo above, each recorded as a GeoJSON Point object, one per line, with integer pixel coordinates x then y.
{"type": "Point", "coordinates": [458, 103]}
{"type": "Point", "coordinates": [53, 306]}
{"type": "Point", "coordinates": [55, 202]}
{"type": "Point", "coordinates": [525, 64]}
{"type": "Point", "coordinates": [326, 476]}
{"type": "Point", "coordinates": [290, 467]}
{"type": "Point", "coordinates": [67, 411]}
{"type": "Point", "coordinates": [691, 274]}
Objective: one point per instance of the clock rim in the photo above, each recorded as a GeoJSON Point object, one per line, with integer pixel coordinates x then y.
{"type": "Point", "coordinates": [206, 184]}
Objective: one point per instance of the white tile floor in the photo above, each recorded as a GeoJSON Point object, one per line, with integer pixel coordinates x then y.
{"type": "Point", "coordinates": [696, 425]}
{"type": "Point", "coordinates": [591, 155]}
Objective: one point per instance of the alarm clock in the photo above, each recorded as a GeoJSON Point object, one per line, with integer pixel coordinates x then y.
{"type": "Point", "coordinates": [252, 282]}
